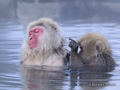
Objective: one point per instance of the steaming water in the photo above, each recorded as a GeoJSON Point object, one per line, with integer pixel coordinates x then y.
{"type": "Point", "coordinates": [14, 76]}
{"type": "Point", "coordinates": [76, 18]}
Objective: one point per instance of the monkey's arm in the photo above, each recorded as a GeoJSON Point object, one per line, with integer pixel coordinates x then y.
{"type": "Point", "coordinates": [103, 60]}
{"type": "Point", "coordinates": [73, 45]}
{"type": "Point", "coordinates": [109, 61]}
{"type": "Point", "coordinates": [74, 56]}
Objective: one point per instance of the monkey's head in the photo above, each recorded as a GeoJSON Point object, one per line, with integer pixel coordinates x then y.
{"type": "Point", "coordinates": [91, 46]}
{"type": "Point", "coordinates": [43, 34]}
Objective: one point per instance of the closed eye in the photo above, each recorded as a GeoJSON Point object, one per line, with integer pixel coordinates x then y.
{"type": "Point", "coordinates": [36, 31]}
{"type": "Point", "coordinates": [31, 32]}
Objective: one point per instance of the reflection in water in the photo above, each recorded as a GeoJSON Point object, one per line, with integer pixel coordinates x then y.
{"type": "Point", "coordinates": [40, 78]}
{"type": "Point", "coordinates": [46, 78]}
{"type": "Point", "coordinates": [90, 78]}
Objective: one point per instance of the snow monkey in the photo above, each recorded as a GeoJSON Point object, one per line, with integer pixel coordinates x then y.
{"type": "Point", "coordinates": [94, 51]}
{"type": "Point", "coordinates": [43, 44]}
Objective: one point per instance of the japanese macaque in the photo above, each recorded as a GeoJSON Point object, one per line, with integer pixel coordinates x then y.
{"type": "Point", "coordinates": [43, 44]}
{"type": "Point", "coordinates": [94, 51]}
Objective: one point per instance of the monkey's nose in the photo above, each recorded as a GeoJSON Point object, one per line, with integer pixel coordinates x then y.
{"type": "Point", "coordinates": [31, 38]}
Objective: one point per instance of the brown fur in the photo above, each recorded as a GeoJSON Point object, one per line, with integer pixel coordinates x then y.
{"type": "Point", "coordinates": [95, 50]}
{"type": "Point", "coordinates": [50, 45]}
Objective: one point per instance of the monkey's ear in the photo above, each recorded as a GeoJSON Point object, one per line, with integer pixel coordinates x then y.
{"type": "Point", "coordinates": [100, 45]}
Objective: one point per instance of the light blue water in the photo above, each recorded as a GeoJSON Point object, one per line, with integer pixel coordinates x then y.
{"type": "Point", "coordinates": [14, 76]}
{"type": "Point", "coordinates": [76, 18]}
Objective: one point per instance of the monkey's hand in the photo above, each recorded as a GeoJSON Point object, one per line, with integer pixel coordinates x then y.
{"type": "Point", "coordinates": [73, 45]}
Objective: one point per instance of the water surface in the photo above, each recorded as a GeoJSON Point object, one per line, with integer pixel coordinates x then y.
{"type": "Point", "coordinates": [76, 19]}
{"type": "Point", "coordinates": [13, 76]}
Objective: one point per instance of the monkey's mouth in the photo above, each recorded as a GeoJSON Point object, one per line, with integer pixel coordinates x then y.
{"type": "Point", "coordinates": [32, 46]}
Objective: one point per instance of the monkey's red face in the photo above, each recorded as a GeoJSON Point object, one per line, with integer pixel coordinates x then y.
{"type": "Point", "coordinates": [34, 37]}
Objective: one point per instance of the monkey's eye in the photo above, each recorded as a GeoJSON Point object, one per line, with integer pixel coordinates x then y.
{"type": "Point", "coordinates": [36, 30]}
{"type": "Point", "coordinates": [31, 32]}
